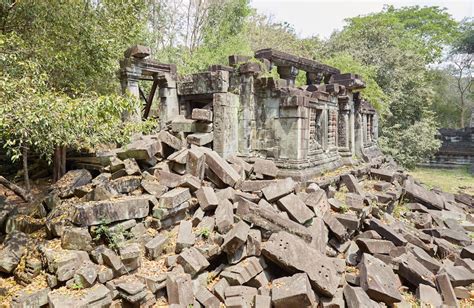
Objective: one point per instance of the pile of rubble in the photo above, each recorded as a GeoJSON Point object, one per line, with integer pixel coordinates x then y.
{"type": "Point", "coordinates": [173, 223]}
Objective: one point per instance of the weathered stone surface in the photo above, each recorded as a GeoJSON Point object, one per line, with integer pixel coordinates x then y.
{"type": "Point", "coordinates": [352, 184]}
{"type": "Point", "coordinates": [244, 271]}
{"type": "Point", "coordinates": [355, 202]}
{"type": "Point", "coordinates": [201, 114]}
{"type": "Point", "coordinates": [126, 184]}
{"type": "Point", "coordinates": [96, 212]}
{"type": "Point", "coordinates": [429, 295]}
{"type": "Point", "coordinates": [263, 301]}
{"type": "Point", "coordinates": [356, 298]}
{"type": "Point", "coordinates": [255, 185]}
{"type": "Point", "coordinates": [335, 227]}
{"type": "Point", "coordinates": [221, 168]}
{"type": "Point", "coordinates": [224, 216]}
{"type": "Point", "coordinates": [446, 290]}
{"type": "Point", "coordinates": [378, 280]}
{"type": "Point", "coordinates": [236, 237]}
{"type": "Point", "coordinates": [294, 291]}
{"type": "Point", "coordinates": [76, 239]}
{"type": "Point", "coordinates": [154, 247]}
{"type": "Point", "coordinates": [285, 249]}
{"type": "Point", "coordinates": [374, 246]}
{"type": "Point", "coordinates": [295, 208]}
{"type": "Point", "coordinates": [98, 296]}
{"type": "Point", "coordinates": [468, 252]}
{"type": "Point", "coordinates": [278, 189]}
{"type": "Point", "coordinates": [424, 258]}
{"type": "Point", "coordinates": [413, 271]}
{"type": "Point", "coordinates": [382, 174]}
{"type": "Point", "coordinates": [14, 246]}
{"type": "Point", "coordinates": [452, 236]}
{"type": "Point", "coordinates": [420, 194]}
{"type": "Point", "coordinates": [350, 221]}
{"type": "Point", "coordinates": [317, 201]}
{"type": "Point", "coordinates": [265, 167]}
{"type": "Point", "coordinates": [387, 232]}
{"type": "Point", "coordinates": [70, 181]}
{"type": "Point", "coordinates": [186, 236]}
{"type": "Point", "coordinates": [30, 298]}
{"type": "Point", "coordinates": [458, 275]}
{"type": "Point", "coordinates": [207, 198]}
{"type": "Point", "coordinates": [269, 220]}
{"type": "Point", "coordinates": [200, 139]}
{"type": "Point", "coordinates": [179, 288]}
{"type": "Point", "coordinates": [175, 197]}
{"type": "Point", "coordinates": [86, 275]}
{"type": "Point", "coordinates": [192, 261]}
{"type": "Point", "coordinates": [206, 298]}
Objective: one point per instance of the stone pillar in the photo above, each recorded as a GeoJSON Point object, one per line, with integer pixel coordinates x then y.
{"type": "Point", "coordinates": [364, 129]}
{"type": "Point", "coordinates": [169, 106]}
{"type": "Point", "coordinates": [375, 128]}
{"type": "Point", "coordinates": [246, 113]}
{"type": "Point", "coordinates": [226, 126]}
{"type": "Point", "coordinates": [288, 73]}
{"type": "Point", "coordinates": [314, 78]}
{"type": "Point", "coordinates": [129, 82]}
{"type": "Point", "coordinates": [293, 132]}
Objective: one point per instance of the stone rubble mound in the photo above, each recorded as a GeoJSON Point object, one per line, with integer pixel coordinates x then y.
{"type": "Point", "coordinates": [172, 223]}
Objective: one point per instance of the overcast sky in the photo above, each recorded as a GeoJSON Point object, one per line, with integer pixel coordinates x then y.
{"type": "Point", "coordinates": [322, 17]}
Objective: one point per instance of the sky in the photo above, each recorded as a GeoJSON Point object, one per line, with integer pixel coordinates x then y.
{"type": "Point", "coordinates": [322, 17]}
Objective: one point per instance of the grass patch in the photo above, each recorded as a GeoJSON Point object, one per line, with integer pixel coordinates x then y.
{"type": "Point", "coordinates": [449, 180]}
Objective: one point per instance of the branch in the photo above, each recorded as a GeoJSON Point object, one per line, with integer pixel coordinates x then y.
{"type": "Point", "coordinates": [20, 192]}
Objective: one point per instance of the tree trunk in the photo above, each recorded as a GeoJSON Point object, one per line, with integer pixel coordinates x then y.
{"type": "Point", "coordinates": [59, 163]}
{"type": "Point", "coordinates": [20, 192]}
{"type": "Point", "coordinates": [25, 169]}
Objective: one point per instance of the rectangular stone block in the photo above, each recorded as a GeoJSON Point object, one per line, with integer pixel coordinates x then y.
{"type": "Point", "coordinates": [296, 209]}
{"type": "Point", "coordinates": [207, 198]}
{"type": "Point", "coordinates": [294, 291]}
{"type": "Point", "coordinates": [175, 197]}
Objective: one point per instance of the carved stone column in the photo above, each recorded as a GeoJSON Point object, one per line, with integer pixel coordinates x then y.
{"type": "Point", "coordinates": [288, 73]}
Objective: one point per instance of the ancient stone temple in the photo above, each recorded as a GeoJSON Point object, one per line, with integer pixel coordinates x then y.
{"type": "Point", "coordinates": [242, 110]}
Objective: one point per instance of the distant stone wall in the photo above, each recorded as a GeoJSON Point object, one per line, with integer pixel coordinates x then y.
{"type": "Point", "coordinates": [457, 148]}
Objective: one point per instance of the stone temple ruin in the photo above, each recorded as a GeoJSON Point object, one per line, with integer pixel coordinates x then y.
{"type": "Point", "coordinates": [239, 109]}
{"type": "Point", "coordinates": [214, 209]}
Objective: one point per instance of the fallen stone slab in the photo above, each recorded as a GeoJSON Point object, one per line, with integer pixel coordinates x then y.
{"type": "Point", "coordinates": [424, 258]}
{"type": "Point", "coordinates": [294, 291]}
{"type": "Point", "coordinates": [382, 186]}
{"type": "Point", "coordinates": [278, 189]}
{"type": "Point", "coordinates": [207, 198]}
{"type": "Point", "coordinates": [221, 168]}
{"type": "Point", "coordinates": [186, 237]}
{"type": "Point", "coordinates": [244, 271]}
{"type": "Point", "coordinates": [192, 261]}
{"type": "Point", "coordinates": [98, 212]}
{"type": "Point", "coordinates": [200, 139]}
{"type": "Point", "coordinates": [468, 252]}
{"type": "Point", "coordinates": [265, 167]}
{"type": "Point", "coordinates": [335, 227]}
{"type": "Point", "coordinates": [382, 174]}
{"type": "Point", "coordinates": [206, 298]}
{"type": "Point", "coordinates": [270, 220]}
{"type": "Point", "coordinates": [378, 280]}
{"type": "Point", "coordinates": [236, 237]}
{"type": "Point", "coordinates": [201, 114]}
{"type": "Point", "coordinates": [14, 247]}
{"type": "Point", "coordinates": [255, 185]}
{"type": "Point", "coordinates": [317, 201]}
{"type": "Point", "coordinates": [357, 298]}
{"type": "Point", "coordinates": [387, 232]}
{"type": "Point", "coordinates": [97, 296]}
{"type": "Point", "coordinates": [352, 184]}
{"type": "Point", "coordinates": [73, 179]}
{"type": "Point", "coordinates": [420, 194]}
{"type": "Point", "coordinates": [413, 272]}
{"type": "Point", "coordinates": [374, 246]}
{"type": "Point", "coordinates": [224, 215]}
{"type": "Point", "coordinates": [179, 288]}
{"type": "Point", "coordinates": [458, 275]}
{"type": "Point", "coordinates": [429, 295]}
{"type": "Point", "coordinates": [155, 247]}
{"type": "Point", "coordinates": [284, 249]}
{"type": "Point", "coordinates": [452, 236]}
{"type": "Point", "coordinates": [175, 197]}
{"type": "Point", "coordinates": [30, 298]}
{"type": "Point", "coordinates": [76, 239]}
{"type": "Point", "coordinates": [446, 290]}
{"type": "Point", "coordinates": [295, 208]}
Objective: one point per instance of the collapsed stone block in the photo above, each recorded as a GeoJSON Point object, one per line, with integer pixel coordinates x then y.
{"type": "Point", "coordinates": [294, 291]}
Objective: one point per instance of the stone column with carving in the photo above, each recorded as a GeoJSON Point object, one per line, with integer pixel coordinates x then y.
{"type": "Point", "coordinates": [169, 106]}
{"type": "Point", "coordinates": [226, 126]}
{"type": "Point", "coordinates": [129, 77]}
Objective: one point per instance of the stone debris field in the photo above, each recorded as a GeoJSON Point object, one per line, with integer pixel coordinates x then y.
{"type": "Point", "coordinates": [168, 223]}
